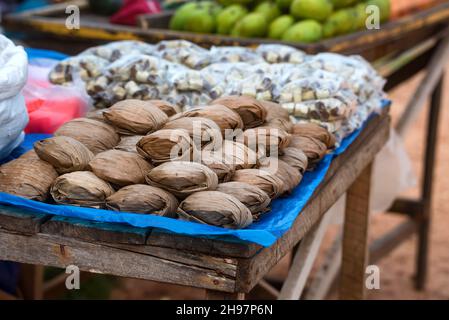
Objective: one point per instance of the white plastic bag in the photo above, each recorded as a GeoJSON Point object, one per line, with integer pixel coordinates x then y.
{"type": "Point", "coordinates": [13, 112]}
{"type": "Point", "coordinates": [392, 174]}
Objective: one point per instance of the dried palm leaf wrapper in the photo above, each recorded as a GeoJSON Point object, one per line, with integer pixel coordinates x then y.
{"type": "Point", "coordinates": [128, 143]}
{"type": "Point", "coordinates": [30, 155]}
{"type": "Point", "coordinates": [218, 163]}
{"type": "Point", "coordinates": [182, 178]}
{"type": "Point", "coordinates": [97, 136]}
{"type": "Point", "coordinates": [224, 117]}
{"type": "Point", "coordinates": [145, 199]}
{"type": "Point", "coordinates": [120, 168]}
{"type": "Point", "coordinates": [265, 140]}
{"type": "Point", "coordinates": [167, 145]}
{"type": "Point", "coordinates": [264, 180]}
{"type": "Point", "coordinates": [252, 112]}
{"type": "Point", "coordinates": [315, 131]}
{"type": "Point", "coordinates": [254, 198]}
{"type": "Point", "coordinates": [96, 114]}
{"type": "Point", "coordinates": [280, 123]}
{"type": "Point", "coordinates": [313, 148]}
{"type": "Point", "coordinates": [65, 154]}
{"type": "Point", "coordinates": [286, 173]}
{"type": "Point", "coordinates": [215, 208]}
{"type": "Point", "coordinates": [206, 134]}
{"type": "Point", "coordinates": [239, 155]}
{"type": "Point", "coordinates": [168, 108]}
{"type": "Point", "coordinates": [135, 117]}
{"type": "Point", "coordinates": [275, 111]}
{"type": "Point", "coordinates": [295, 158]}
{"type": "Point", "coordinates": [81, 188]}
{"type": "Point", "coordinates": [27, 177]}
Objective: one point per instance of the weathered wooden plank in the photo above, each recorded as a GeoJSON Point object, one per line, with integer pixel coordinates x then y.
{"type": "Point", "coordinates": [229, 248]}
{"type": "Point", "coordinates": [95, 231]}
{"type": "Point", "coordinates": [252, 270]}
{"type": "Point", "coordinates": [221, 265]}
{"type": "Point", "coordinates": [16, 219]}
{"type": "Point", "coordinates": [60, 252]}
{"type": "Point", "coordinates": [218, 295]}
{"type": "Point", "coordinates": [355, 237]}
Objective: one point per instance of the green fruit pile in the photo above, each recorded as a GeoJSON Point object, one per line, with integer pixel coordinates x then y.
{"type": "Point", "coordinates": [289, 20]}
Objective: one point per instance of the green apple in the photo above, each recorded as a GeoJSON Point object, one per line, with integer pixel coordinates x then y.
{"type": "Point", "coordinates": [384, 7]}
{"type": "Point", "coordinates": [338, 4]}
{"type": "Point", "coordinates": [311, 9]}
{"type": "Point", "coordinates": [279, 25]}
{"type": "Point", "coordinates": [269, 9]}
{"type": "Point", "coordinates": [304, 31]}
{"type": "Point", "coordinates": [228, 17]}
{"type": "Point", "coordinates": [252, 25]}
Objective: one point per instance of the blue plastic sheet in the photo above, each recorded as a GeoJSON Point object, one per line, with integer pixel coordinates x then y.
{"type": "Point", "coordinates": [265, 231]}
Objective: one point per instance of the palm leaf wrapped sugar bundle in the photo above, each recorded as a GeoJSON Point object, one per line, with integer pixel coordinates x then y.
{"type": "Point", "coordinates": [274, 111]}
{"type": "Point", "coordinates": [281, 124]}
{"type": "Point", "coordinates": [128, 143]}
{"type": "Point", "coordinates": [252, 112]}
{"type": "Point", "coordinates": [97, 136]}
{"type": "Point", "coordinates": [295, 158]}
{"type": "Point", "coordinates": [31, 154]}
{"type": "Point", "coordinates": [277, 116]}
{"type": "Point", "coordinates": [167, 145]}
{"type": "Point", "coordinates": [224, 117]}
{"type": "Point", "coordinates": [65, 154]}
{"type": "Point", "coordinates": [221, 164]}
{"type": "Point", "coordinates": [239, 155]}
{"type": "Point", "coordinates": [313, 148]}
{"type": "Point", "coordinates": [264, 180]}
{"type": "Point", "coordinates": [168, 108]}
{"type": "Point", "coordinates": [215, 208]}
{"type": "Point", "coordinates": [286, 173]}
{"type": "Point", "coordinates": [27, 177]}
{"type": "Point", "coordinates": [254, 198]}
{"type": "Point", "coordinates": [96, 114]}
{"type": "Point", "coordinates": [144, 199]}
{"type": "Point", "coordinates": [265, 140]}
{"type": "Point", "coordinates": [135, 117]}
{"type": "Point", "coordinates": [314, 131]}
{"type": "Point", "coordinates": [206, 134]}
{"type": "Point", "coordinates": [81, 188]}
{"type": "Point", "coordinates": [120, 168]}
{"type": "Point", "coordinates": [182, 178]}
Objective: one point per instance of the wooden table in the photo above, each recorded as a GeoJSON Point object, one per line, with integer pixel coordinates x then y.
{"type": "Point", "coordinates": [226, 269]}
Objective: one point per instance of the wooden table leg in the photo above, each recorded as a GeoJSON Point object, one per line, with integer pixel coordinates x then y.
{"type": "Point", "coordinates": [218, 295]}
{"type": "Point", "coordinates": [355, 238]}
{"type": "Point", "coordinates": [31, 281]}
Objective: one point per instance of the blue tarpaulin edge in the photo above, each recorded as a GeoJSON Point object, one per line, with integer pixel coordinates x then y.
{"type": "Point", "coordinates": [265, 231]}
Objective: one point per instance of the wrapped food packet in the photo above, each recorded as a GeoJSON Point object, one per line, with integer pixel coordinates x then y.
{"type": "Point", "coordinates": [83, 67]}
{"type": "Point", "coordinates": [234, 54]}
{"type": "Point", "coordinates": [215, 208]}
{"type": "Point", "coordinates": [144, 199]}
{"type": "Point", "coordinates": [277, 53]}
{"type": "Point", "coordinates": [117, 49]}
{"type": "Point", "coordinates": [338, 107]}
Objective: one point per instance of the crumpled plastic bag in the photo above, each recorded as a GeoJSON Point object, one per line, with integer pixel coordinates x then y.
{"type": "Point", "coordinates": [13, 114]}
{"type": "Point", "coordinates": [392, 174]}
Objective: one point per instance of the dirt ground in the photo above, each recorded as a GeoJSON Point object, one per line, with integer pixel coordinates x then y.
{"type": "Point", "coordinates": [397, 269]}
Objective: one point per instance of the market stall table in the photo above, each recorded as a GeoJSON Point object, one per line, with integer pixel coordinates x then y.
{"type": "Point", "coordinates": [226, 268]}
